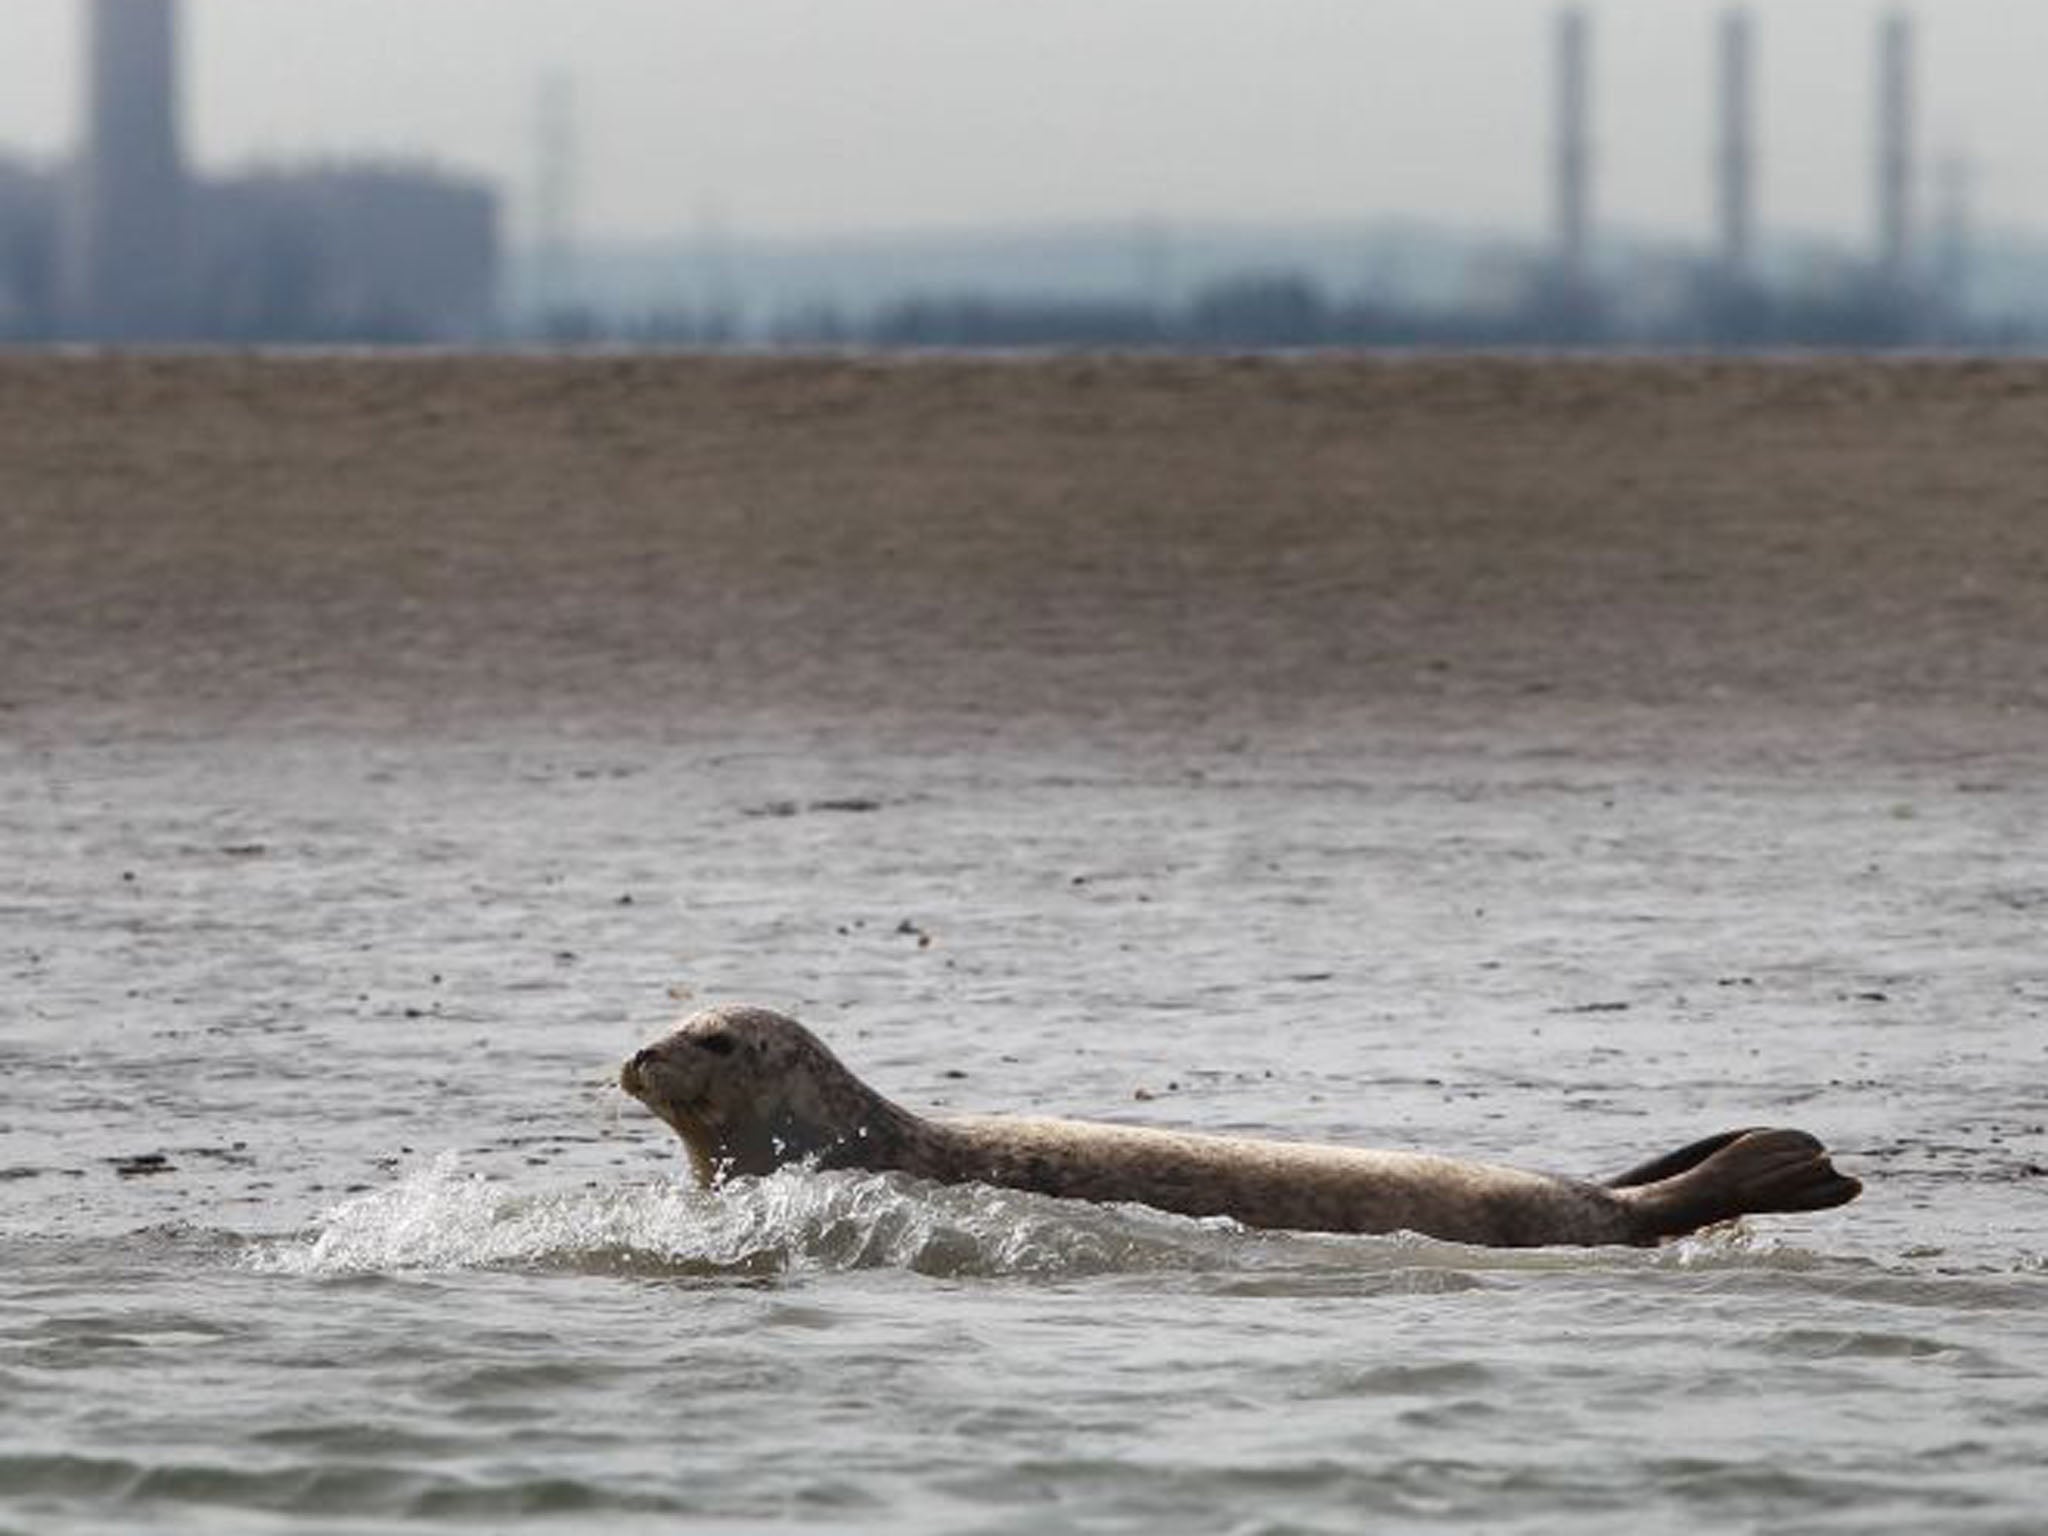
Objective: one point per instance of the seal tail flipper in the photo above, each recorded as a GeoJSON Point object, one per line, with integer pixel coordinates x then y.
{"type": "Point", "coordinates": [1732, 1175]}
{"type": "Point", "coordinates": [1671, 1164]}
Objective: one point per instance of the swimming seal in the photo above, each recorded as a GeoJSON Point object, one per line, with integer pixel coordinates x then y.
{"type": "Point", "coordinates": [749, 1090]}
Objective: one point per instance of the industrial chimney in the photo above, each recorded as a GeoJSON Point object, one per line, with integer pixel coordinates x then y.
{"type": "Point", "coordinates": [1895, 149]}
{"type": "Point", "coordinates": [1573, 151]}
{"type": "Point", "coordinates": [554, 197]}
{"type": "Point", "coordinates": [1735, 159]}
{"type": "Point", "coordinates": [124, 265]}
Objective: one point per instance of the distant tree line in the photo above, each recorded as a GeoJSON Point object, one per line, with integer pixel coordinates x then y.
{"type": "Point", "coordinates": [1283, 310]}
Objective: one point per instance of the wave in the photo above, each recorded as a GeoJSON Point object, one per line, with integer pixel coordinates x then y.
{"type": "Point", "coordinates": [440, 1216]}
{"type": "Point", "coordinates": [393, 1490]}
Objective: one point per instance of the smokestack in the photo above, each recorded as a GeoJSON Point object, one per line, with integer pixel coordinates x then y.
{"type": "Point", "coordinates": [1735, 178]}
{"type": "Point", "coordinates": [124, 256]}
{"type": "Point", "coordinates": [554, 195]}
{"type": "Point", "coordinates": [1895, 148]}
{"type": "Point", "coordinates": [1573, 148]}
{"type": "Point", "coordinates": [1952, 232]}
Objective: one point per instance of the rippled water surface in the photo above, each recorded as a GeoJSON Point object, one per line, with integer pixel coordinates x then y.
{"type": "Point", "coordinates": [317, 1209]}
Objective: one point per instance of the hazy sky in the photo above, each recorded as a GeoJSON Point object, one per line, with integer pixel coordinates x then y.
{"type": "Point", "coordinates": [800, 116]}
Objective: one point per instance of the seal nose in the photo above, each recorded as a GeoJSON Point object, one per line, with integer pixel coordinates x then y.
{"type": "Point", "coordinates": [629, 1073]}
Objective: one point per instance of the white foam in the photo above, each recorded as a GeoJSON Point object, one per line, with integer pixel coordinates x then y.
{"type": "Point", "coordinates": [440, 1216]}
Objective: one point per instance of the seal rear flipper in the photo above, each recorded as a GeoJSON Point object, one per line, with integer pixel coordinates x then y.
{"type": "Point", "coordinates": [1751, 1171]}
{"type": "Point", "coordinates": [1671, 1164]}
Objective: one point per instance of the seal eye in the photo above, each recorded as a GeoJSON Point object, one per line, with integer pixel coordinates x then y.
{"type": "Point", "coordinates": [717, 1045]}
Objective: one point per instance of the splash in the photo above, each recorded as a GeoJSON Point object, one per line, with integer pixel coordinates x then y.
{"type": "Point", "coordinates": [442, 1217]}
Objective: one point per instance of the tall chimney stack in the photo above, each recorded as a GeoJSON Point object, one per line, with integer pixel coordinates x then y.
{"type": "Point", "coordinates": [1573, 164]}
{"type": "Point", "coordinates": [124, 268]}
{"type": "Point", "coordinates": [1949, 258]}
{"type": "Point", "coordinates": [1895, 148]}
{"type": "Point", "coordinates": [1735, 167]}
{"type": "Point", "coordinates": [554, 195]}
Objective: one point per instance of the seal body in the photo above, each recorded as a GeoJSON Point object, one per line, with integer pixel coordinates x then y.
{"type": "Point", "coordinates": [749, 1090]}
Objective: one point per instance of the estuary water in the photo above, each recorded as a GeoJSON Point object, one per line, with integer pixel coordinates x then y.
{"type": "Point", "coordinates": [319, 1210]}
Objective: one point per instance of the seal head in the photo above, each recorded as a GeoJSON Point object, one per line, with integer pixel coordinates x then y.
{"type": "Point", "coordinates": [749, 1090]}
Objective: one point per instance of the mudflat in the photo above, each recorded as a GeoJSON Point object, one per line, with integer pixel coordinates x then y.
{"type": "Point", "coordinates": [1148, 541]}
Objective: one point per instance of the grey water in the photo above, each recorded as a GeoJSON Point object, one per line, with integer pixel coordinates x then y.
{"type": "Point", "coordinates": [318, 1209]}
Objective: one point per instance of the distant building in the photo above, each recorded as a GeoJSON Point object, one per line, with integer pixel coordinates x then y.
{"type": "Point", "coordinates": [346, 253]}
{"type": "Point", "coordinates": [28, 251]}
{"type": "Point", "coordinates": [127, 246]}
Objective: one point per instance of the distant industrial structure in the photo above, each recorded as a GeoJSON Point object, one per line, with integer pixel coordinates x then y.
{"type": "Point", "coordinates": [1895, 151]}
{"type": "Point", "coordinates": [1921, 277]}
{"type": "Point", "coordinates": [124, 237]}
{"type": "Point", "coordinates": [553, 236]}
{"type": "Point", "coordinates": [1886, 299]}
{"type": "Point", "coordinates": [1574, 154]}
{"type": "Point", "coordinates": [127, 246]}
{"type": "Point", "coordinates": [1735, 154]}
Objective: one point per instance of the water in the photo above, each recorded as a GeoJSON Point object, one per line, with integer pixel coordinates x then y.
{"type": "Point", "coordinates": [317, 1210]}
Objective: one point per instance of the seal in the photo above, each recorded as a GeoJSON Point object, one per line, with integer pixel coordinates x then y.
{"type": "Point", "coordinates": [749, 1091]}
